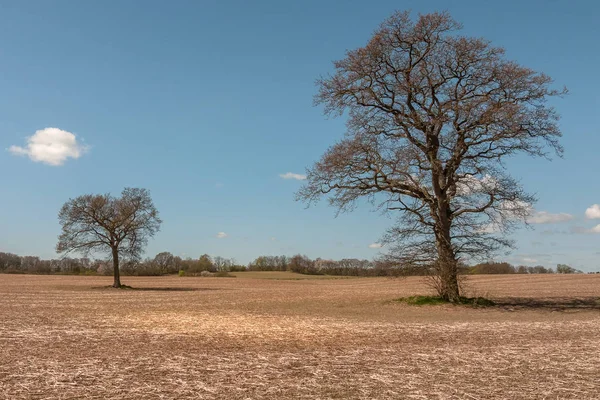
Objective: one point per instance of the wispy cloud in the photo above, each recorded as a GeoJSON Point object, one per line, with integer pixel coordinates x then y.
{"type": "Point", "coordinates": [543, 217]}
{"type": "Point", "coordinates": [581, 229]}
{"type": "Point", "coordinates": [375, 246]}
{"type": "Point", "coordinates": [593, 212]}
{"type": "Point", "coordinates": [514, 209]}
{"type": "Point", "coordinates": [50, 146]}
{"type": "Point", "coordinates": [291, 175]}
{"type": "Point", "coordinates": [222, 235]}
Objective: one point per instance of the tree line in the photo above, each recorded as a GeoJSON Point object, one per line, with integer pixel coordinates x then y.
{"type": "Point", "coordinates": [492, 267]}
{"type": "Point", "coordinates": [165, 263]}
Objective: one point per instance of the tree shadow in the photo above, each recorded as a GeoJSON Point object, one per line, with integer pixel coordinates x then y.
{"type": "Point", "coordinates": [551, 303]}
{"type": "Point", "coordinates": [172, 289]}
{"type": "Point", "coordinates": [156, 289]}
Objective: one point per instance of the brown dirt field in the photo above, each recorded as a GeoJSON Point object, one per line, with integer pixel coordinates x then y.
{"type": "Point", "coordinates": [66, 337]}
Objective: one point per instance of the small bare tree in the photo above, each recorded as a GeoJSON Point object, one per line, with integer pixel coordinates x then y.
{"type": "Point", "coordinates": [432, 115]}
{"type": "Point", "coordinates": [103, 223]}
{"type": "Point", "coordinates": [165, 262]}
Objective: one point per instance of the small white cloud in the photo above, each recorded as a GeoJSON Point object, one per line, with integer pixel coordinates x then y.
{"type": "Point", "coordinates": [470, 184]}
{"type": "Point", "coordinates": [375, 246]}
{"type": "Point", "coordinates": [581, 229]}
{"type": "Point", "coordinates": [291, 175]}
{"type": "Point", "coordinates": [543, 217]}
{"type": "Point", "coordinates": [273, 239]}
{"type": "Point", "coordinates": [51, 146]}
{"type": "Point", "coordinates": [516, 208]}
{"type": "Point", "coordinates": [222, 235]}
{"type": "Point", "coordinates": [593, 212]}
{"type": "Point", "coordinates": [595, 229]}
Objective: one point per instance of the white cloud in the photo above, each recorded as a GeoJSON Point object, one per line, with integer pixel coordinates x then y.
{"type": "Point", "coordinates": [375, 246]}
{"type": "Point", "coordinates": [51, 146]}
{"type": "Point", "coordinates": [543, 217]}
{"type": "Point", "coordinates": [535, 217]}
{"type": "Point", "coordinates": [273, 239]}
{"type": "Point", "coordinates": [222, 235]}
{"type": "Point", "coordinates": [291, 175]}
{"type": "Point", "coordinates": [581, 229]}
{"type": "Point", "coordinates": [470, 184]}
{"type": "Point", "coordinates": [516, 207]}
{"type": "Point", "coordinates": [593, 212]}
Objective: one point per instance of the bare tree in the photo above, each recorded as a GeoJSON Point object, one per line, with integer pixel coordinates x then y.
{"type": "Point", "coordinates": [165, 262]}
{"type": "Point", "coordinates": [223, 264]}
{"type": "Point", "coordinates": [431, 117]}
{"type": "Point", "coordinates": [119, 226]}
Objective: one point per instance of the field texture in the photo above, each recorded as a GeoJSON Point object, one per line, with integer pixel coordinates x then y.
{"type": "Point", "coordinates": [281, 338]}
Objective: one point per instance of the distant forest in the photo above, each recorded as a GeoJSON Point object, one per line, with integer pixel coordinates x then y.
{"type": "Point", "coordinates": [166, 263]}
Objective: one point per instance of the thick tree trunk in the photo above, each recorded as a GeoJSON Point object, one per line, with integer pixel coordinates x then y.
{"type": "Point", "coordinates": [117, 275]}
{"type": "Point", "coordinates": [447, 267]}
{"type": "Point", "coordinates": [448, 272]}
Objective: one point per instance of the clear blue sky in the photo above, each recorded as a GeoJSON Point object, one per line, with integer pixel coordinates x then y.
{"type": "Point", "coordinates": [206, 103]}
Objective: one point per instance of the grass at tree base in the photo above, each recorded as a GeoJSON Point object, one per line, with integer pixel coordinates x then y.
{"type": "Point", "coordinates": [437, 300]}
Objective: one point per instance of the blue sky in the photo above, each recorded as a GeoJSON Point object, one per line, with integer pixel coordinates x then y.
{"type": "Point", "coordinates": [206, 103]}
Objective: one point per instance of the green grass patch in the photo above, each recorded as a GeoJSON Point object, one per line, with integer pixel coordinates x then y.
{"type": "Point", "coordinates": [422, 300]}
{"type": "Point", "coordinates": [436, 300]}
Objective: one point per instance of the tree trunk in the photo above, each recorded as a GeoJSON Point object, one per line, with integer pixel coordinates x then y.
{"type": "Point", "coordinates": [448, 270]}
{"type": "Point", "coordinates": [447, 264]}
{"type": "Point", "coordinates": [117, 275]}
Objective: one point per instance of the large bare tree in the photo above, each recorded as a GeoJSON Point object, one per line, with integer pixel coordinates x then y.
{"type": "Point", "coordinates": [119, 226]}
{"type": "Point", "coordinates": [432, 115]}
